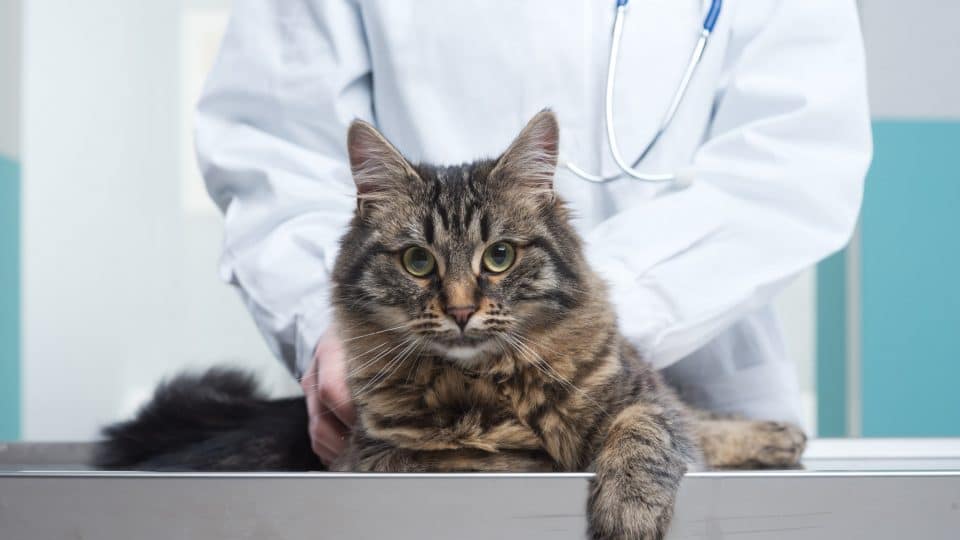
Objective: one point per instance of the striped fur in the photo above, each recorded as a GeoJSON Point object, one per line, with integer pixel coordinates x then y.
{"type": "Point", "coordinates": [539, 379]}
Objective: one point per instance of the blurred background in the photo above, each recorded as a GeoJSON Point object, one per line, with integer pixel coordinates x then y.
{"type": "Point", "coordinates": [109, 244]}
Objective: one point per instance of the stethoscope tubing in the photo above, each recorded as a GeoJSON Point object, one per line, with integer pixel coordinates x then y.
{"type": "Point", "coordinates": [713, 12]}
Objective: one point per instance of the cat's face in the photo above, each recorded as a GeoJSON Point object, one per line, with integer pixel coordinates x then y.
{"type": "Point", "coordinates": [465, 262]}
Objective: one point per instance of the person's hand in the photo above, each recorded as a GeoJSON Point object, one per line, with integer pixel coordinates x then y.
{"type": "Point", "coordinates": [328, 401]}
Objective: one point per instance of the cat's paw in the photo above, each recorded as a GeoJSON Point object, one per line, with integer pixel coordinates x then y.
{"type": "Point", "coordinates": [612, 516]}
{"type": "Point", "coordinates": [734, 443]}
{"type": "Point", "coordinates": [777, 444]}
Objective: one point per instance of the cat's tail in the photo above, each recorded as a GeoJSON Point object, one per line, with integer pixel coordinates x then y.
{"type": "Point", "coordinates": [215, 421]}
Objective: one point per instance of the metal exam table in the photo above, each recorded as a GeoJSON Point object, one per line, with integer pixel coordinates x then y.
{"type": "Point", "coordinates": [849, 489]}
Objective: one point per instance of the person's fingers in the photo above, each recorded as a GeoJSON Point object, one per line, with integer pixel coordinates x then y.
{"type": "Point", "coordinates": [311, 389]}
{"type": "Point", "coordinates": [327, 437]}
{"type": "Point", "coordinates": [329, 405]}
{"type": "Point", "coordinates": [335, 397]}
{"type": "Point", "coordinates": [332, 376]}
{"type": "Point", "coordinates": [309, 383]}
{"type": "Point", "coordinates": [325, 454]}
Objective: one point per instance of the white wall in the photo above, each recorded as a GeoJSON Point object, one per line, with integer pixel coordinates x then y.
{"type": "Point", "coordinates": [10, 78]}
{"type": "Point", "coordinates": [913, 57]}
{"type": "Point", "coordinates": [119, 275]}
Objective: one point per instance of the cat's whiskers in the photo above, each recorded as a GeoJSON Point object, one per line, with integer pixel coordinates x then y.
{"type": "Point", "coordinates": [347, 361]}
{"type": "Point", "coordinates": [410, 340]}
{"type": "Point", "coordinates": [349, 399]}
{"type": "Point", "coordinates": [548, 370]}
{"type": "Point", "coordinates": [356, 371]}
{"type": "Point", "coordinates": [353, 372]}
{"type": "Point", "coordinates": [505, 350]}
{"type": "Point", "coordinates": [399, 348]}
{"type": "Point", "coordinates": [370, 361]}
{"type": "Point", "coordinates": [527, 345]}
{"type": "Point", "coordinates": [419, 359]}
{"type": "Point", "coordinates": [412, 353]}
{"type": "Point", "coordinates": [388, 369]}
{"type": "Point", "coordinates": [395, 328]}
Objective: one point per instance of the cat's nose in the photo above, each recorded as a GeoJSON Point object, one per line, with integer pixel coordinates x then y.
{"type": "Point", "coordinates": [461, 314]}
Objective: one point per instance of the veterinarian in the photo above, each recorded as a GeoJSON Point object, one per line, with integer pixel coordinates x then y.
{"type": "Point", "coordinates": [771, 139]}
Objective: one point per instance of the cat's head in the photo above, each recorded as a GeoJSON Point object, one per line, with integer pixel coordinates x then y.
{"type": "Point", "coordinates": [466, 261]}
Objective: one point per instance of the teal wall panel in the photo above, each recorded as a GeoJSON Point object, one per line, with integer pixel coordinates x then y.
{"type": "Point", "coordinates": [9, 299]}
{"type": "Point", "coordinates": [831, 378]}
{"type": "Point", "coordinates": [911, 281]}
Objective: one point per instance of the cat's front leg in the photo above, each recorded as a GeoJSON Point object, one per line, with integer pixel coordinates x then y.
{"type": "Point", "coordinates": [389, 459]}
{"type": "Point", "coordinates": [641, 461]}
{"type": "Point", "coordinates": [728, 442]}
{"type": "Point", "coordinates": [366, 454]}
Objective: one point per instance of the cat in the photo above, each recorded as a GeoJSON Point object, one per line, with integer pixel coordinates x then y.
{"type": "Point", "coordinates": [478, 339]}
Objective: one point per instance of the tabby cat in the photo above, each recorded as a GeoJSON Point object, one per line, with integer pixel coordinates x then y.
{"type": "Point", "coordinates": [478, 339]}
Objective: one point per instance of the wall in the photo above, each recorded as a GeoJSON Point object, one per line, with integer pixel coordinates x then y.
{"type": "Point", "coordinates": [120, 281]}
{"type": "Point", "coordinates": [891, 370]}
{"type": "Point", "coordinates": [9, 219]}
{"type": "Point", "coordinates": [9, 299]}
{"type": "Point", "coordinates": [911, 296]}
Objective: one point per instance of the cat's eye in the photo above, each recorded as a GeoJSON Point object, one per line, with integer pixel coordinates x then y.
{"type": "Point", "coordinates": [418, 261]}
{"type": "Point", "coordinates": [498, 257]}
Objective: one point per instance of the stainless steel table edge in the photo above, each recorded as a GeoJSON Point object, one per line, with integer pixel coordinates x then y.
{"type": "Point", "coordinates": [374, 476]}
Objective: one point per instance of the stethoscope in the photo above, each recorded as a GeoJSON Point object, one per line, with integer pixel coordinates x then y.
{"type": "Point", "coordinates": [709, 21]}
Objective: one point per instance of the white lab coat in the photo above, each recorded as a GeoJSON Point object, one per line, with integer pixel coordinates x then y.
{"type": "Point", "coordinates": [775, 128]}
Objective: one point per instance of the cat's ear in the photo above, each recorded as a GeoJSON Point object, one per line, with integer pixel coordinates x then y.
{"type": "Point", "coordinates": [379, 170]}
{"type": "Point", "coordinates": [531, 160]}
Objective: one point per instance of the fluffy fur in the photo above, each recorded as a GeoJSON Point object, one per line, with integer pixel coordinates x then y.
{"type": "Point", "coordinates": [217, 421]}
{"type": "Point", "coordinates": [465, 368]}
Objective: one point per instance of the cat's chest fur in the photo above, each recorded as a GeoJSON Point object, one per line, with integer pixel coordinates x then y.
{"type": "Point", "coordinates": [444, 407]}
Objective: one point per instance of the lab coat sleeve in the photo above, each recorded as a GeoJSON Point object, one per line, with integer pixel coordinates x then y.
{"type": "Point", "coordinates": [778, 186]}
{"type": "Point", "coordinates": [270, 130]}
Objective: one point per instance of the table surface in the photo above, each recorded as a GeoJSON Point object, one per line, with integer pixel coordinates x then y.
{"type": "Point", "coordinates": [858, 488]}
{"type": "Point", "coordinates": [827, 456]}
